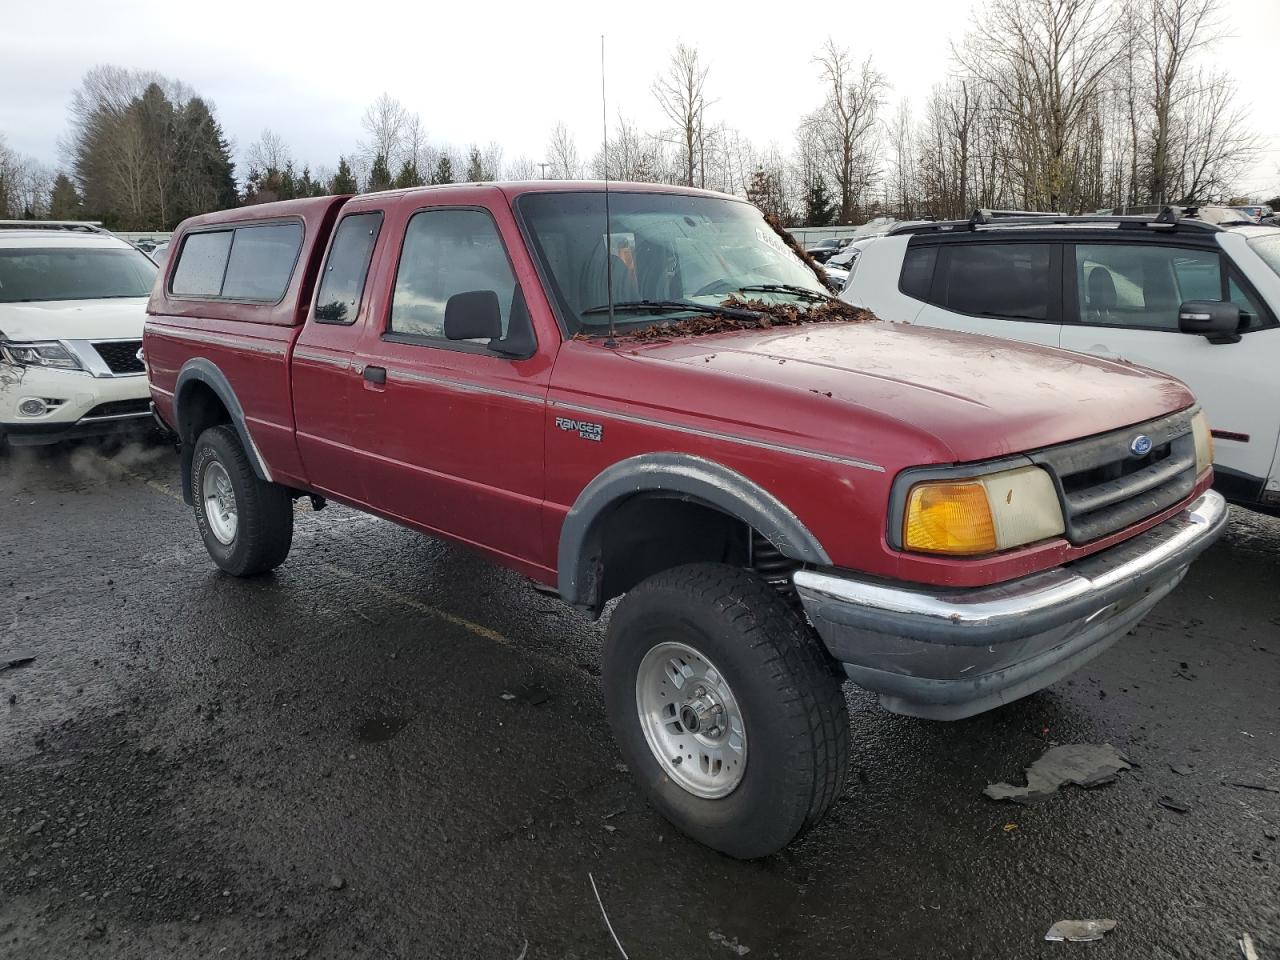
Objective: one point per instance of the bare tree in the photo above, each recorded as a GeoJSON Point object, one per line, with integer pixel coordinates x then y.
{"type": "Point", "coordinates": [1046, 63]}
{"type": "Point", "coordinates": [563, 162]}
{"type": "Point", "coordinates": [25, 185]}
{"type": "Point", "coordinates": [631, 155]}
{"type": "Point", "coordinates": [1169, 32]}
{"type": "Point", "coordinates": [268, 153]}
{"type": "Point", "coordinates": [845, 127]}
{"type": "Point", "coordinates": [521, 168]}
{"type": "Point", "coordinates": [387, 123]}
{"type": "Point", "coordinates": [681, 93]}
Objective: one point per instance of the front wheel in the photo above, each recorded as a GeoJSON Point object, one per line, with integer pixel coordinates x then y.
{"type": "Point", "coordinates": [726, 708]}
{"type": "Point", "coordinates": [246, 522]}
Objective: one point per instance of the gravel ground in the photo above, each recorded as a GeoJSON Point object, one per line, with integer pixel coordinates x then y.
{"type": "Point", "coordinates": [391, 749]}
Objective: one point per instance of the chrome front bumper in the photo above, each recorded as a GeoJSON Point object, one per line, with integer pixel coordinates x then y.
{"type": "Point", "coordinates": [948, 654]}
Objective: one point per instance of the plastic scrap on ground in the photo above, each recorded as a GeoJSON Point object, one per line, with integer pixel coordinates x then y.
{"type": "Point", "coordinates": [1083, 764]}
{"type": "Point", "coordinates": [1080, 931]}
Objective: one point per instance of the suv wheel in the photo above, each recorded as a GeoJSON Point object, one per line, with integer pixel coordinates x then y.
{"type": "Point", "coordinates": [726, 708]}
{"type": "Point", "coordinates": [246, 523]}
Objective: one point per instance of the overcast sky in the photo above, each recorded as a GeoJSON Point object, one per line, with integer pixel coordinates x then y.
{"type": "Point", "coordinates": [508, 71]}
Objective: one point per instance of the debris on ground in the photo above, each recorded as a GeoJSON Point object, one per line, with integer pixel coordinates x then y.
{"type": "Point", "coordinates": [13, 663]}
{"type": "Point", "coordinates": [600, 903]}
{"type": "Point", "coordinates": [1248, 785]}
{"type": "Point", "coordinates": [740, 949]}
{"type": "Point", "coordinates": [1080, 931]}
{"type": "Point", "coordinates": [1171, 803]}
{"type": "Point", "coordinates": [1083, 764]}
{"type": "Point", "coordinates": [1247, 949]}
{"type": "Point", "coordinates": [506, 696]}
{"type": "Point", "coordinates": [336, 882]}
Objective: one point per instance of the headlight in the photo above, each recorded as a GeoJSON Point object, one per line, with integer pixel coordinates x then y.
{"type": "Point", "coordinates": [1204, 442]}
{"type": "Point", "coordinates": [982, 515]}
{"type": "Point", "coordinates": [44, 354]}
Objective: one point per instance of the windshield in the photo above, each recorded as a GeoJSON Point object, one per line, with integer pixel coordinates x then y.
{"type": "Point", "coordinates": [70, 273]}
{"type": "Point", "coordinates": [665, 248]}
{"type": "Point", "coordinates": [1268, 248]}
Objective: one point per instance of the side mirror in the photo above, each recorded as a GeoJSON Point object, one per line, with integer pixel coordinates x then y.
{"type": "Point", "coordinates": [474, 315]}
{"type": "Point", "coordinates": [1217, 320]}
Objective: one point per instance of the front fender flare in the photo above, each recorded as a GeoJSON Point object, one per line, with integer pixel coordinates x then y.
{"type": "Point", "coordinates": [679, 476]}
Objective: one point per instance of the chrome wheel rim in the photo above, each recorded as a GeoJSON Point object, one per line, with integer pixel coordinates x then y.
{"type": "Point", "coordinates": [691, 720]}
{"type": "Point", "coordinates": [219, 502]}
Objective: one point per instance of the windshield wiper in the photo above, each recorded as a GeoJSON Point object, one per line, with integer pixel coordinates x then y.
{"type": "Point", "coordinates": [813, 296]}
{"type": "Point", "coordinates": [671, 306]}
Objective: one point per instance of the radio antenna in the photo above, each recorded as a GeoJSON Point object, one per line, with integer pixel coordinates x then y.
{"type": "Point", "coordinates": [608, 228]}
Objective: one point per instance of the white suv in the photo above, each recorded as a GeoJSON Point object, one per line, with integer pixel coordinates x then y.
{"type": "Point", "coordinates": [72, 303]}
{"type": "Point", "coordinates": [1186, 297]}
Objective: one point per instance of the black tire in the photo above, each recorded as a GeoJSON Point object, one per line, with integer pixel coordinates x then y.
{"type": "Point", "coordinates": [791, 700]}
{"type": "Point", "coordinates": [264, 524]}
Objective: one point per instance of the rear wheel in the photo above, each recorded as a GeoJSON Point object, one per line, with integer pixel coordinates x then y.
{"type": "Point", "coordinates": [726, 708]}
{"type": "Point", "coordinates": [246, 522]}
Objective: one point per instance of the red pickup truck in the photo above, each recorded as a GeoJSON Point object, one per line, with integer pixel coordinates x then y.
{"type": "Point", "coordinates": [608, 404]}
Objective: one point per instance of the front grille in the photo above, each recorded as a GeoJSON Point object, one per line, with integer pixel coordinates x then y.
{"type": "Point", "coordinates": [119, 408]}
{"type": "Point", "coordinates": [1105, 488]}
{"type": "Point", "coordinates": [121, 356]}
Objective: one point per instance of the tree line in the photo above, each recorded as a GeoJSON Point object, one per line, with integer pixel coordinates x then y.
{"type": "Point", "coordinates": [1055, 105]}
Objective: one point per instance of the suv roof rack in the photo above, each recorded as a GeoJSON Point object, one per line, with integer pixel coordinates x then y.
{"type": "Point", "coordinates": [80, 226]}
{"type": "Point", "coordinates": [1169, 218]}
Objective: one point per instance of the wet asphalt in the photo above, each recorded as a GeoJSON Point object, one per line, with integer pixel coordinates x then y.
{"type": "Point", "coordinates": [390, 748]}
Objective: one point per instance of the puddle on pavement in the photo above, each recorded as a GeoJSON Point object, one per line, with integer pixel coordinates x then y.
{"type": "Point", "coordinates": [379, 727]}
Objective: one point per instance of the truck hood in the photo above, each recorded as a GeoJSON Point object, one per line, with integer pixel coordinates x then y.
{"type": "Point", "coordinates": [116, 319]}
{"type": "Point", "coordinates": [979, 397]}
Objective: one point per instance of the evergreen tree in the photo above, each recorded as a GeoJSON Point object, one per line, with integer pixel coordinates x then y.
{"type": "Point", "coordinates": [444, 170]}
{"type": "Point", "coordinates": [379, 175]}
{"type": "Point", "coordinates": [475, 166]}
{"type": "Point", "coordinates": [819, 209]}
{"type": "Point", "coordinates": [64, 201]}
{"type": "Point", "coordinates": [344, 181]}
{"type": "Point", "coordinates": [408, 175]}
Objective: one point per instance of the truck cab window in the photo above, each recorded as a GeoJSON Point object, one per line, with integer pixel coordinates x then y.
{"type": "Point", "coordinates": [447, 252]}
{"type": "Point", "coordinates": [345, 272]}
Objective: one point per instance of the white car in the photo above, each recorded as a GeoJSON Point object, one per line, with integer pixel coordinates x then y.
{"type": "Point", "coordinates": [1194, 299]}
{"type": "Point", "coordinates": [72, 304]}
{"type": "Point", "coordinates": [842, 266]}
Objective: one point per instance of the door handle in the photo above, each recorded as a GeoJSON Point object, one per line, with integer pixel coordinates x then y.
{"type": "Point", "coordinates": [376, 375]}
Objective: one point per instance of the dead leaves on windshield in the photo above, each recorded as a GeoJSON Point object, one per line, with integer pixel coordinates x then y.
{"type": "Point", "coordinates": [768, 315]}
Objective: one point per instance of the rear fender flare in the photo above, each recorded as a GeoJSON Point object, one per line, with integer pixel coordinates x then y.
{"type": "Point", "coordinates": [200, 370]}
{"type": "Point", "coordinates": [678, 476]}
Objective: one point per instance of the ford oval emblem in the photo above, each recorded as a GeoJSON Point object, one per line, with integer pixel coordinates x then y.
{"type": "Point", "coordinates": [1140, 446]}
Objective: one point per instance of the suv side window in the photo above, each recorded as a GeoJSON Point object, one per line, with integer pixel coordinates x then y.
{"type": "Point", "coordinates": [1006, 280]}
{"type": "Point", "coordinates": [917, 271]}
{"type": "Point", "coordinates": [447, 252]}
{"type": "Point", "coordinates": [347, 269]}
{"type": "Point", "coordinates": [1141, 285]}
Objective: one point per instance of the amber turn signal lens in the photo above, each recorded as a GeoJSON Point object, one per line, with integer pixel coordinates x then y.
{"type": "Point", "coordinates": [952, 518]}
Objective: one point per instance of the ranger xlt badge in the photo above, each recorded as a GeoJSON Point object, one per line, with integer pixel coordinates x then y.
{"type": "Point", "coordinates": [587, 431]}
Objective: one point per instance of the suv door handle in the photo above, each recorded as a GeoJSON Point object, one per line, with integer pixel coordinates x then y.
{"type": "Point", "coordinates": [376, 375]}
